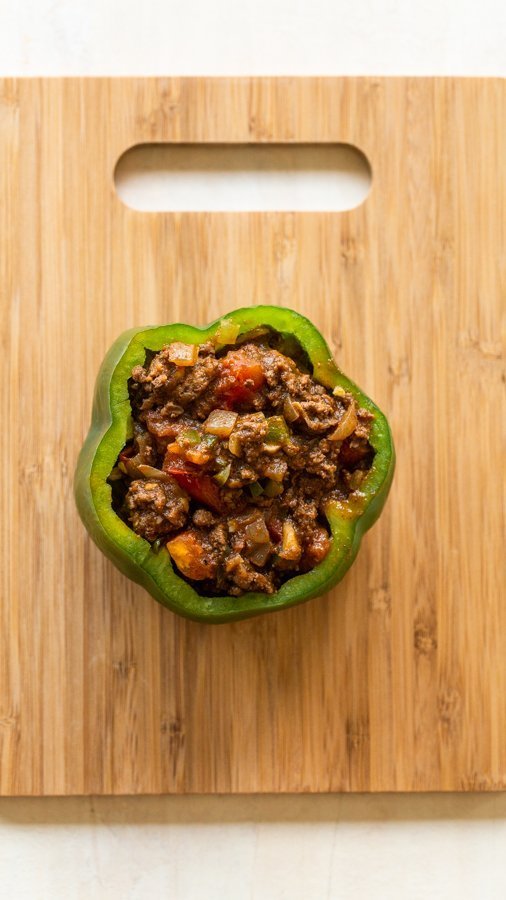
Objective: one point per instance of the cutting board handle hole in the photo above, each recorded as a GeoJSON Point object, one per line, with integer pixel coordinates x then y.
{"type": "Point", "coordinates": [242, 177]}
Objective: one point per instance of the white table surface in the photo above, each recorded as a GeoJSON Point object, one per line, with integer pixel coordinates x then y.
{"type": "Point", "coordinates": [386, 847]}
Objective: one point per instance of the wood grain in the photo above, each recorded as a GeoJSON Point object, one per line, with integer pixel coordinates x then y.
{"type": "Point", "coordinates": [396, 680]}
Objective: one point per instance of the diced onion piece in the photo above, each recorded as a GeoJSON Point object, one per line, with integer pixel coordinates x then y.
{"type": "Point", "coordinates": [241, 521]}
{"type": "Point", "coordinates": [339, 391]}
{"type": "Point", "coordinates": [226, 333]}
{"type": "Point", "coordinates": [276, 469]}
{"type": "Point", "coordinates": [220, 422]}
{"type": "Point", "coordinates": [347, 424]}
{"type": "Point", "coordinates": [290, 545]}
{"type": "Point", "coordinates": [273, 488]}
{"type": "Point", "coordinates": [116, 473]}
{"type": "Point", "coordinates": [256, 532]}
{"type": "Point", "coordinates": [289, 411]}
{"type": "Point", "coordinates": [129, 464]}
{"type": "Point", "coordinates": [252, 335]}
{"type": "Point", "coordinates": [299, 409]}
{"type": "Point", "coordinates": [151, 472]}
{"type": "Point", "coordinates": [271, 448]}
{"type": "Point", "coordinates": [223, 475]}
{"type": "Point", "coordinates": [260, 554]}
{"type": "Point", "coordinates": [234, 445]}
{"type": "Point", "coordinates": [183, 354]}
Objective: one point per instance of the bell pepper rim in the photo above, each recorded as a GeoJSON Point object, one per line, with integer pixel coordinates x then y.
{"type": "Point", "coordinates": [111, 422]}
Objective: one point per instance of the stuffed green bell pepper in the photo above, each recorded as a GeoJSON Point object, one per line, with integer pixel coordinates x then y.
{"type": "Point", "coordinates": [231, 470]}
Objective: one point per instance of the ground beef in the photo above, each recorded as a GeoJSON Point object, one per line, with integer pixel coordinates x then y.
{"type": "Point", "coordinates": [316, 549]}
{"type": "Point", "coordinates": [203, 518]}
{"type": "Point", "coordinates": [243, 509]}
{"type": "Point", "coordinates": [154, 386]}
{"type": "Point", "coordinates": [156, 508]}
{"type": "Point", "coordinates": [248, 437]}
{"type": "Point", "coordinates": [303, 507]}
{"type": "Point", "coordinates": [240, 473]}
{"type": "Point", "coordinates": [246, 578]}
{"type": "Point", "coordinates": [197, 380]}
{"type": "Point", "coordinates": [319, 413]}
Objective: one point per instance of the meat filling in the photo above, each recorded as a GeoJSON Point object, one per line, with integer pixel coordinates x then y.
{"type": "Point", "coordinates": [234, 457]}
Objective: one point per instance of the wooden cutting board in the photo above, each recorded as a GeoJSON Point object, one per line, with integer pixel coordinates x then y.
{"type": "Point", "coordinates": [396, 681]}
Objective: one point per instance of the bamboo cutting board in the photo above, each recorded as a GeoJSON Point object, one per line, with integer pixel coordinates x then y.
{"type": "Point", "coordinates": [396, 681]}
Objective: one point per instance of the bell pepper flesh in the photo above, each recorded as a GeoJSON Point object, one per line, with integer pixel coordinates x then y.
{"type": "Point", "coordinates": [111, 427]}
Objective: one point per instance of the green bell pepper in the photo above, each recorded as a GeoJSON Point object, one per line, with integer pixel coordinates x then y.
{"type": "Point", "coordinates": [111, 427]}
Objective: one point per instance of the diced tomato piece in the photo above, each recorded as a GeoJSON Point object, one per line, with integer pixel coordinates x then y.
{"type": "Point", "coordinates": [352, 452]}
{"type": "Point", "coordinates": [241, 377]}
{"type": "Point", "coordinates": [275, 528]}
{"type": "Point", "coordinates": [160, 427]}
{"type": "Point", "coordinates": [191, 557]}
{"type": "Point", "coordinates": [197, 484]}
{"type": "Point", "coordinates": [201, 488]}
{"type": "Point", "coordinates": [127, 453]}
{"type": "Point", "coordinates": [317, 548]}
